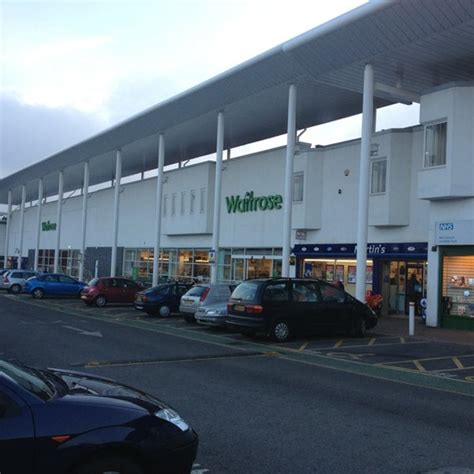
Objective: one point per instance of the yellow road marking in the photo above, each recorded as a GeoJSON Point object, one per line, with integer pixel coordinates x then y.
{"type": "Point", "coordinates": [427, 359]}
{"type": "Point", "coordinates": [419, 366]}
{"type": "Point", "coordinates": [338, 344]}
{"type": "Point", "coordinates": [156, 362]}
{"type": "Point", "coordinates": [457, 363]}
{"type": "Point", "coordinates": [371, 342]}
{"type": "Point", "coordinates": [303, 346]}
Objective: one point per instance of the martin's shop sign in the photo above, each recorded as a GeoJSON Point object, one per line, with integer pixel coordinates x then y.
{"type": "Point", "coordinates": [45, 226]}
{"type": "Point", "coordinates": [404, 250]}
{"type": "Point", "coordinates": [251, 203]}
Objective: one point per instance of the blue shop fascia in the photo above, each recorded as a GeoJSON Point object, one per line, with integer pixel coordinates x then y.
{"type": "Point", "coordinates": [389, 267]}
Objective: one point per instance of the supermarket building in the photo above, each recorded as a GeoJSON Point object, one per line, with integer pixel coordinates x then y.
{"type": "Point", "coordinates": [369, 212]}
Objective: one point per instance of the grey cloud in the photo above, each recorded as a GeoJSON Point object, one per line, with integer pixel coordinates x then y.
{"type": "Point", "coordinates": [31, 133]}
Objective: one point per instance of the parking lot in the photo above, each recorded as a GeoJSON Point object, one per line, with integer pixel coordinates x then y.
{"type": "Point", "coordinates": [249, 392]}
{"type": "Point", "coordinates": [400, 353]}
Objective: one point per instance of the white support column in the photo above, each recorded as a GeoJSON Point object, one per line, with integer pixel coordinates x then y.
{"type": "Point", "coordinates": [288, 197]}
{"type": "Point", "coordinates": [38, 222]}
{"type": "Point", "coordinates": [58, 221]}
{"type": "Point", "coordinates": [363, 209]}
{"type": "Point", "coordinates": [158, 210]}
{"type": "Point", "coordinates": [85, 193]}
{"type": "Point", "coordinates": [22, 224]}
{"type": "Point", "coordinates": [118, 178]}
{"type": "Point", "coordinates": [216, 222]}
{"type": "Point", "coordinates": [7, 230]}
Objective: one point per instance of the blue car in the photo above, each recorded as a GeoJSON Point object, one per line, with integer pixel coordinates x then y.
{"type": "Point", "coordinates": [55, 421]}
{"type": "Point", "coordinates": [161, 300]}
{"type": "Point", "coordinates": [53, 284]}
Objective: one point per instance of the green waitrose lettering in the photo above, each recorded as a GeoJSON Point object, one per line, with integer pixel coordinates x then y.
{"type": "Point", "coordinates": [251, 203]}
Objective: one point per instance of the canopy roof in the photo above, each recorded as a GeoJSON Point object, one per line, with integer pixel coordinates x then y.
{"type": "Point", "coordinates": [414, 45]}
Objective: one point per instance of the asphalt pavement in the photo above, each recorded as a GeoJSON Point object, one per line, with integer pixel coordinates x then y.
{"type": "Point", "coordinates": [386, 403]}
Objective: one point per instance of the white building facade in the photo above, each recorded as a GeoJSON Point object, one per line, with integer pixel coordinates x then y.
{"type": "Point", "coordinates": [420, 221]}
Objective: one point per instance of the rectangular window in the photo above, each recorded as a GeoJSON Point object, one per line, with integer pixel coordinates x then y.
{"type": "Point", "coordinates": [165, 205]}
{"type": "Point", "coordinates": [192, 201]}
{"type": "Point", "coordinates": [173, 204]}
{"type": "Point", "coordinates": [202, 202]}
{"type": "Point", "coordinates": [298, 187]}
{"type": "Point", "coordinates": [435, 144]}
{"type": "Point", "coordinates": [378, 176]}
{"type": "Point", "coordinates": [183, 202]}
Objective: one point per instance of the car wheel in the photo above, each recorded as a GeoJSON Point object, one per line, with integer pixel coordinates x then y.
{"type": "Point", "coordinates": [38, 293]}
{"type": "Point", "coordinates": [109, 465]}
{"type": "Point", "coordinates": [100, 301]}
{"type": "Point", "coordinates": [15, 289]}
{"type": "Point", "coordinates": [280, 331]}
{"type": "Point", "coordinates": [360, 328]}
{"type": "Point", "coordinates": [165, 311]}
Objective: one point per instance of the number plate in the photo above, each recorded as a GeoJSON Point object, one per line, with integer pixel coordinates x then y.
{"type": "Point", "coordinates": [187, 302]}
{"type": "Point", "coordinates": [239, 307]}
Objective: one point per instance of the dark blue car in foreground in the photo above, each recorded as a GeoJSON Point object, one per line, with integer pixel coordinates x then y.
{"type": "Point", "coordinates": [53, 284]}
{"type": "Point", "coordinates": [161, 300]}
{"type": "Point", "coordinates": [61, 422]}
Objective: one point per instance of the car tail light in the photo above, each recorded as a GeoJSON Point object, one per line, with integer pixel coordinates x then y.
{"type": "Point", "coordinates": [253, 308]}
{"type": "Point", "coordinates": [204, 294]}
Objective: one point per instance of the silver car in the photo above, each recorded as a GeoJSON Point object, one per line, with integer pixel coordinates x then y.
{"type": "Point", "coordinates": [201, 295]}
{"type": "Point", "coordinates": [14, 280]}
{"type": "Point", "coordinates": [212, 315]}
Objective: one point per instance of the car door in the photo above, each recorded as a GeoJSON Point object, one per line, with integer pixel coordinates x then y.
{"type": "Point", "coordinates": [276, 302]}
{"type": "Point", "coordinates": [69, 286]}
{"type": "Point", "coordinates": [113, 291]}
{"type": "Point", "coordinates": [129, 290]}
{"type": "Point", "coordinates": [333, 306]}
{"type": "Point", "coordinates": [305, 305]}
{"type": "Point", "coordinates": [51, 285]}
{"type": "Point", "coordinates": [17, 436]}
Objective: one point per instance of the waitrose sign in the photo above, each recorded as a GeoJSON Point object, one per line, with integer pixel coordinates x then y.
{"type": "Point", "coordinates": [45, 226]}
{"type": "Point", "coordinates": [251, 203]}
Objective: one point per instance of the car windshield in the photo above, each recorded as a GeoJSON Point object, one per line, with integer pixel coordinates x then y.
{"type": "Point", "coordinates": [160, 289]}
{"type": "Point", "coordinates": [93, 282]}
{"type": "Point", "coordinates": [30, 379]}
{"type": "Point", "coordinates": [196, 291]}
{"type": "Point", "coordinates": [245, 292]}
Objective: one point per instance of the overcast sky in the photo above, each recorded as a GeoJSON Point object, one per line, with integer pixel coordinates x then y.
{"type": "Point", "coordinates": [69, 69]}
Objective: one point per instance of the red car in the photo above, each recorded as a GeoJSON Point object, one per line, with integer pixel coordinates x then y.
{"type": "Point", "coordinates": [101, 291]}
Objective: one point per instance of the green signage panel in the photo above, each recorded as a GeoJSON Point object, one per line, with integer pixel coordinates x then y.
{"type": "Point", "coordinates": [45, 226]}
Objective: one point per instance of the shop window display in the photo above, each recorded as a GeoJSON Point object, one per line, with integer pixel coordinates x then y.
{"type": "Point", "coordinates": [458, 286]}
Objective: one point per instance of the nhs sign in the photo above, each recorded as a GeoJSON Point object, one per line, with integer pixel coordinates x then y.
{"type": "Point", "coordinates": [446, 226]}
{"type": "Point", "coordinates": [454, 233]}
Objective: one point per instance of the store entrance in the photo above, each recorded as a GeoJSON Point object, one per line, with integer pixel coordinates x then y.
{"type": "Point", "coordinates": [397, 289]}
{"type": "Point", "coordinates": [254, 267]}
{"type": "Point", "coordinates": [415, 285]}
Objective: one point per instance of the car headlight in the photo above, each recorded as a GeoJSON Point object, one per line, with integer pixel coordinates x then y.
{"type": "Point", "coordinates": [171, 416]}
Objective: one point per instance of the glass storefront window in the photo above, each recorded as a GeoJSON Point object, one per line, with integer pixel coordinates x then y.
{"type": "Point", "coordinates": [46, 260]}
{"type": "Point", "coordinates": [193, 264]}
{"type": "Point", "coordinates": [458, 286]}
{"type": "Point", "coordinates": [332, 270]}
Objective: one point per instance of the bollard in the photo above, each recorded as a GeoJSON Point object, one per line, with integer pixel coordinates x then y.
{"type": "Point", "coordinates": [411, 319]}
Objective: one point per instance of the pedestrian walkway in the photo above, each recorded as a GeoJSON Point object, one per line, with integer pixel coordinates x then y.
{"type": "Point", "coordinates": [397, 325]}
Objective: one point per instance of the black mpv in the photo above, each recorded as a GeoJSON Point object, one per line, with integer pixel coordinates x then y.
{"type": "Point", "coordinates": [282, 307]}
